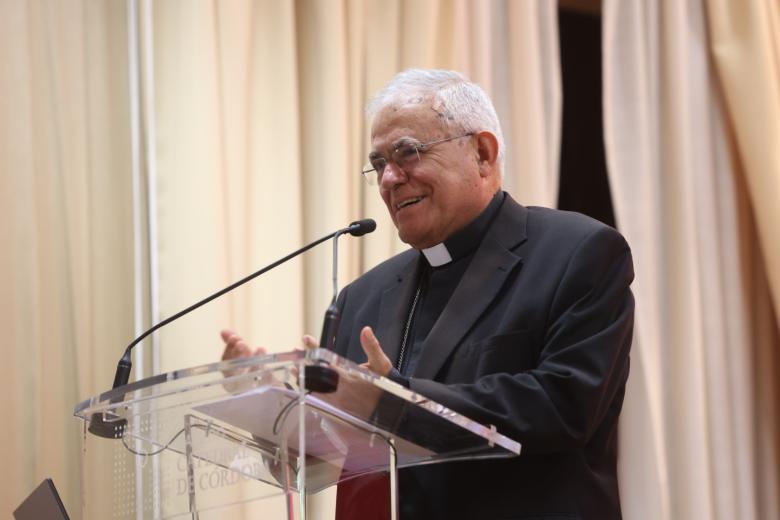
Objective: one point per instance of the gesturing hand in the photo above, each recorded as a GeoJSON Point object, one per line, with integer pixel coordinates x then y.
{"type": "Point", "coordinates": [236, 347]}
{"type": "Point", "coordinates": [377, 362]}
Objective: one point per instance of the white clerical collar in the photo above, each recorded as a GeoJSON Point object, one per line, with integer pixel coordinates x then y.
{"type": "Point", "coordinates": [437, 255]}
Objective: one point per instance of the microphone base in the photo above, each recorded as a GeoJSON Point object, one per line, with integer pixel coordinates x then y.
{"type": "Point", "coordinates": [321, 378]}
{"type": "Point", "coordinates": [113, 428]}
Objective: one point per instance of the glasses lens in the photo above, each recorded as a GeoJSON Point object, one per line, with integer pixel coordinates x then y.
{"type": "Point", "coordinates": [405, 156]}
{"type": "Point", "coordinates": [378, 164]}
{"type": "Point", "coordinates": [370, 175]}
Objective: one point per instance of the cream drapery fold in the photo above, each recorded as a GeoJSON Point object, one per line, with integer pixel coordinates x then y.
{"type": "Point", "coordinates": [66, 248]}
{"type": "Point", "coordinates": [745, 43]}
{"type": "Point", "coordinates": [699, 429]}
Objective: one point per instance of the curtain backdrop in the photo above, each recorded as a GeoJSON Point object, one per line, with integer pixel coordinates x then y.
{"type": "Point", "coordinates": [252, 113]}
{"type": "Point", "coordinates": [66, 248]}
{"type": "Point", "coordinates": [699, 430]}
{"type": "Point", "coordinates": [745, 43]}
{"type": "Point", "coordinates": [261, 137]}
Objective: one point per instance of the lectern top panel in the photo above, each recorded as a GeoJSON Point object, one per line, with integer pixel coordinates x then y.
{"type": "Point", "coordinates": [375, 401]}
{"type": "Point", "coordinates": [312, 415]}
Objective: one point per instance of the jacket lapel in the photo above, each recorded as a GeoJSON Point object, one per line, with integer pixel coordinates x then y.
{"type": "Point", "coordinates": [492, 264]}
{"type": "Point", "coordinates": [394, 308]}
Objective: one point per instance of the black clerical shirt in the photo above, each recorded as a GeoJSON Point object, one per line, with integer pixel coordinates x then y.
{"type": "Point", "coordinates": [435, 286]}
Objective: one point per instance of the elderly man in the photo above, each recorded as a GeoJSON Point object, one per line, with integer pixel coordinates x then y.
{"type": "Point", "coordinates": [518, 317]}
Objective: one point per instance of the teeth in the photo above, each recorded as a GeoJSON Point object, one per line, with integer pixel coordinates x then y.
{"type": "Point", "coordinates": [408, 202]}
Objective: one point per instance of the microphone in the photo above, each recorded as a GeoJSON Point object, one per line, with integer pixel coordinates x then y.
{"type": "Point", "coordinates": [332, 317]}
{"type": "Point", "coordinates": [320, 378]}
{"type": "Point", "coordinates": [115, 426]}
{"type": "Point", "coordinates": [361, 227]}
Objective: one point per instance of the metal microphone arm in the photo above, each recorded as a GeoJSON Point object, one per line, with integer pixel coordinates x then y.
{"type": "Point", "coordinates": [125, 364]}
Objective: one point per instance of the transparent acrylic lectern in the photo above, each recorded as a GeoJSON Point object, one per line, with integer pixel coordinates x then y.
{"type": "Point", "coordinates": [221, 437]}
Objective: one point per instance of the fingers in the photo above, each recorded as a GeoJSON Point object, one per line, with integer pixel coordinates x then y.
{"type": "Point", "coordinates": [377, 360]}
{"type": "Point", "coordinates": [370, 345]}
{"type": "Point", "coordinates": [225, 334]}
{"type": "Point", "coordinates": [310, 342]}
{"type": "Point", "coordinates": [235, 346]}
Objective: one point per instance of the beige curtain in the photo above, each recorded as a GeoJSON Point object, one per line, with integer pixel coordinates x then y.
{"type": "Point", "coordinates": [252, 112]}
{"type": "Point", "coordinates": [699, 430]}
{"type": "Point", "coordinates": [253, 115]}
{"type": "Point", "coordinates": [66, 248]}
{"type": "Point", "coordinates": [261, 137]}
{"type": "Point", "coordinates": [745, 43]}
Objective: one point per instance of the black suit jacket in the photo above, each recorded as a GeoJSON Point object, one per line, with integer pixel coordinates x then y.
{"type": "Point", "coordinates": [535, 340]}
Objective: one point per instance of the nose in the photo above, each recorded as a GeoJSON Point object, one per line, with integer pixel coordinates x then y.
{"type": "Point", "coordinates": [392, 176]}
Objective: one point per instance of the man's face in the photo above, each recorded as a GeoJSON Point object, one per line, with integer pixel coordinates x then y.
{"type": "Point", "coordinates": [445, 187]}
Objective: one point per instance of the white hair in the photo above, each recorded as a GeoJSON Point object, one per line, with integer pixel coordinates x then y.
{"type": "Point", "coordinates": [463, 105]}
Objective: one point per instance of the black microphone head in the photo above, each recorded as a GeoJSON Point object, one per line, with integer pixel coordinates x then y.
{"type": "Point", "coordinates": [361, 227]}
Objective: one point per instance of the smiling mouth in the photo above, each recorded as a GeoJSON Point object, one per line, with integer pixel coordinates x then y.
{"type": "Point", "coordinates": [407, 203]}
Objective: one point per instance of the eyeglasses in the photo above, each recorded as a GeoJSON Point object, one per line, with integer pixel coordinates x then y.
{"type": "Point", "coordinates": [405, 154]}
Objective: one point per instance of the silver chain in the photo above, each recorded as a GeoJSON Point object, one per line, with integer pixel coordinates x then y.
{"type": "Point", "coordinates": [400, 363]}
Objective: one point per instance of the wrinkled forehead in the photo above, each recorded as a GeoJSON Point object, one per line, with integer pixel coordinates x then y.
{"type": "Point", "coordinates": [418, 120]}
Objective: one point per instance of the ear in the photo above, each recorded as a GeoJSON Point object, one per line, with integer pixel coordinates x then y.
{"type": "Point", "coordinates": [487, 153]}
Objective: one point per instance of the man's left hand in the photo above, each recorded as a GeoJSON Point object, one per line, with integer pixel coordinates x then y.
{"type": "Point", "coordinates": [377, 362]}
